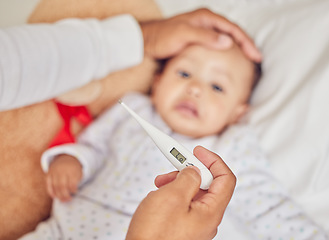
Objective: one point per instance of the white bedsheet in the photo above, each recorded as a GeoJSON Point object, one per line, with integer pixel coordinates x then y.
{"type": "Point", "coordinates": [290, 112]}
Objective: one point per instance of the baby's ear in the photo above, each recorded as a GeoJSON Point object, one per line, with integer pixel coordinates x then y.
{"type": "Point", "coordinates": [241, 110]}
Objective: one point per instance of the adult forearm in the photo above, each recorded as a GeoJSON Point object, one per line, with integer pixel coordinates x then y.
{"type": "Point", "coordinates": [41, 61]}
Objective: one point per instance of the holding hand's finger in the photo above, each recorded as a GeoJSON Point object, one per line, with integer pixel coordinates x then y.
{"type": "Point", "coordinates": [185, 186]}
{"type": "Point", "coordinates": [222, 187]}
{"type": "Point", "coordinates": [174, 204]}
{"type": "Point", "coordinates": [164, 179]}
{"type": "Point", "coordinates": [208, 158]}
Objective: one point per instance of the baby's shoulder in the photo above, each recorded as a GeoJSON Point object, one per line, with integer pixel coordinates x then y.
{"type": "Point", "coordinates": [136, 99]}
{"type": "Point", "coordinates": [239, 133]}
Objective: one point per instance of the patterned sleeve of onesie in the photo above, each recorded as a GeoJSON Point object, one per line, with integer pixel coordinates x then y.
{"type": "Point", "coordinates": [92, 148]}
{"type": "Point", "coordinates": [260, 202]}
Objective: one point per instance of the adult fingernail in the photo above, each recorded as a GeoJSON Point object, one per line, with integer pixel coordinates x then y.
{"type": "Point", "coordinates": [225, 41]}
{"type": "Point", "coordinates": [196, 169]}
{"type": "Point", "coordinates": [190, 167]}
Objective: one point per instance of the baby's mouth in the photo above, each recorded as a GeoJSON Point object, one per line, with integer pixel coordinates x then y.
{"type": "Point", "coordinates": [188, 109]}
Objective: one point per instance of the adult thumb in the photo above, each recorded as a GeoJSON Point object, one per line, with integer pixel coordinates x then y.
{"type": "Point", "coordinates": [187, 183]}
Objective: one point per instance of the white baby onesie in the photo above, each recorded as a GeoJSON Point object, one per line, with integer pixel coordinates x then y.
{"type": "Point", "coordinates": [120, 163]}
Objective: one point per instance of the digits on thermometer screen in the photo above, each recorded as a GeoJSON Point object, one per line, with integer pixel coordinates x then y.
{"type": "Point", "coordinates": [178, 155]}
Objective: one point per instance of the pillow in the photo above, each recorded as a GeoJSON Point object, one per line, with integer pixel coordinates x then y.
{"type": "Point", "coordinates": [289, 103]}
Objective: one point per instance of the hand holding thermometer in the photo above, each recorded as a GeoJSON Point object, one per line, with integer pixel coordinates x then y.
{"type": "Point", "coordinates": [176, 153]}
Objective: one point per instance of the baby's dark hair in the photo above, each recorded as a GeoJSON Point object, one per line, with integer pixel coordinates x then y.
{"type": "Point", "coordinates": [257, 75]}
{"type": "Point", "coordinates": [161, 64]}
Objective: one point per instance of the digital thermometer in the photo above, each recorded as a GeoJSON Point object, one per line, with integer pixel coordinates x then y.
{"type": "Point", "coordinates": [176, 153]}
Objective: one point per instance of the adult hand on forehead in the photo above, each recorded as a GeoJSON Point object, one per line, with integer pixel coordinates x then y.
{"type": "Point", "coordinates": [179, 209]}
{"type": "Point", "coordinates": [165, 38]}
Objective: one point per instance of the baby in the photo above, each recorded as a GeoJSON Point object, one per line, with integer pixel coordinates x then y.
{"type": "Point", "coordinates": [198, 98]}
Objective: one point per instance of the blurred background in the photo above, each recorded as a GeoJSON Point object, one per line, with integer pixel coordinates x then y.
{"type": "Point", "coordinates": [13, 12]}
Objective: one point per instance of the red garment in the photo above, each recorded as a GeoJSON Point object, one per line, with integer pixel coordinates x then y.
{"type": "Point", "coordinates": [80, 113]}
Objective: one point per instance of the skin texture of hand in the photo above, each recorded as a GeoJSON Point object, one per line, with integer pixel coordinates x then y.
{"type": "Point", "coordinates": [63, 177]}
{"type": "Point", "coordinates": [165, 38]}
{"type": "Point", "coordinates": [179, 210]}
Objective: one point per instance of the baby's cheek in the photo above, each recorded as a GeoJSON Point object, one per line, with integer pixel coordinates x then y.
{"type": "Point", "coordinates": [216, 121]}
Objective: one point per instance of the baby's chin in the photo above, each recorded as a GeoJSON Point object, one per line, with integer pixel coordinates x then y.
{"type": "Point", "coordinates": [189, 131]}
{"type": "Point", "coordinates": [189, 126]}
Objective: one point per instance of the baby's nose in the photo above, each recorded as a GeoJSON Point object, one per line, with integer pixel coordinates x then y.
{"type": "Point", "coordinates": [194, 88]}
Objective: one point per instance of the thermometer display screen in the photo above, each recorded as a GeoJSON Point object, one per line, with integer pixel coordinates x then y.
{"type": "Point", "coordinates": [178, 155]}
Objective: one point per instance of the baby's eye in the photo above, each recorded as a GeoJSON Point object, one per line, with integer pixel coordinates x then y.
{"type": "Point", "coordinates": [217, 88]}
{"type": "Point", "coordinates": [184, 74]}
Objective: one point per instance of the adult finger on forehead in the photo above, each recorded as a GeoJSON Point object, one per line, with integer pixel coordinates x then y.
{"type": "Point", "coordinates": [221, 24]}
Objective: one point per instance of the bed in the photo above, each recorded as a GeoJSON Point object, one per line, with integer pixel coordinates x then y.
{"type": "Point", "coordinates": [288, 107]}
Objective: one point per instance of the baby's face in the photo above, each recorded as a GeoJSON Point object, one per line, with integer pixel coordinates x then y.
{"type": "Point", "coordinates": [201, 91]}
